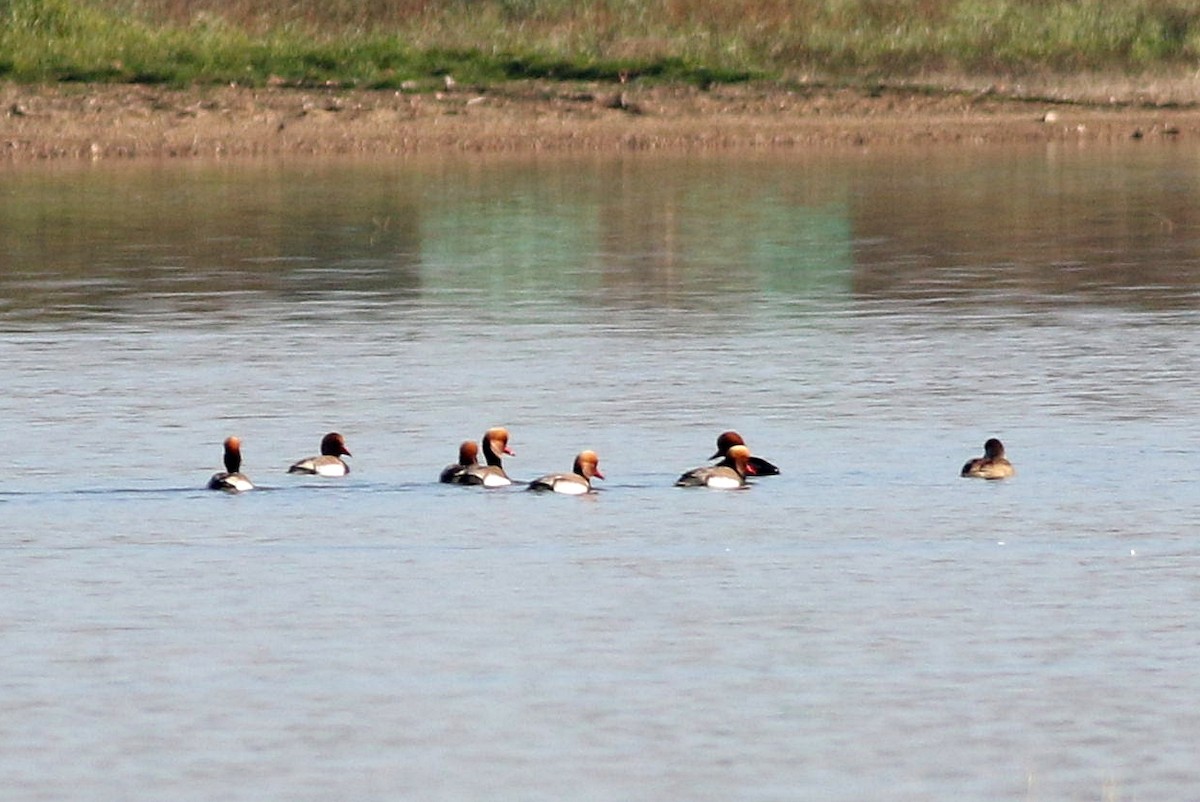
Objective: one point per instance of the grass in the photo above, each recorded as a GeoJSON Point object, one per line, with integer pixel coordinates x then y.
{"type": "Point", "coordinates": [393, 43]}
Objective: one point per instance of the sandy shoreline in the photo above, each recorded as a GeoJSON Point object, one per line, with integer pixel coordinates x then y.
{"type": "Point", "coordinates": [123, 122]}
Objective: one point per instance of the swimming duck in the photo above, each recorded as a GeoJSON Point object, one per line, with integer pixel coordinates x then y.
{"type": "Point", "coordinates": [460, 472]}
{"type": "Point", "coordinates": [576, 483]}
{"type": "Point", "coordinates": [992, 465]}
{"type": "Point", "coordinates": [726, 441]}
{"type": "Point", "coordinates": [729, 476]}
{"type": "Point", "coordinates": [231, 480]}
{"type": "Point", "coordinates": [330, 463]}
{"type": "Point", "coordinates": [495, 443]}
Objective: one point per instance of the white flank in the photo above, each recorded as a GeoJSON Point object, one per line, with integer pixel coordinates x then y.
{"type": "Point", "coordinates": [570, 488]}
{"type": "Point", "coordinates": [239, 483]}
{"type": "Point", "coordinates": [331, 469]}
{"type": "Point", "coordinates": [495, 480]}
{"type": "Point", "coordinates": [720, 482]}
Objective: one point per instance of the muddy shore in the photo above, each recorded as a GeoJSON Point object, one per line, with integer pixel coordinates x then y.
{"type": "Point", "coordinates": [123, 122]}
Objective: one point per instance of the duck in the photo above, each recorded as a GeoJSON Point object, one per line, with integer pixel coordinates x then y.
{"type": "Point", "coordinates": [992, 465]}
{"type": "Point", "coordinates": [461, 473]}
{"type": "Point", "coordinates": [231, 480]}
{"type": "Point", "coordinates": [726, 441]}
{"type": "Point", "coordinates": [731, 476]}
{"type": "Point", "coordinates": [330, 463]}
{"type": "Point", "coordinates": [576, 483]}
{"type": "Point", "coordinates": [495, 443]}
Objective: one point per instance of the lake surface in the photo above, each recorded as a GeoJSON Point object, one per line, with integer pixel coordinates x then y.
{"type": "Point", "coordinates": [867, 625]}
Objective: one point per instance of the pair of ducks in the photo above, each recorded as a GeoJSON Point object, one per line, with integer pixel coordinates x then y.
{"type": "Point", "coordinates": [329, 463]}
{"type": "Point", "coordinates": [468, 471]}
{"type": "Point", "coordinates": [730, 473]}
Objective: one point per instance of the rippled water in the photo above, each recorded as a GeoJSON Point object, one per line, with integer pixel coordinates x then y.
{"type": "Point", "coordinates": [865, 626]}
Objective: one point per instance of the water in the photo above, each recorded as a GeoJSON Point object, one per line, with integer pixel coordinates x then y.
{"type": "Point", "coordinates": [865, 626]}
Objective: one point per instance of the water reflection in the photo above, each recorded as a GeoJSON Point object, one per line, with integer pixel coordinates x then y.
{"type": "Point", "coordinates": [87, 242]}
{"type": "Point", "coordinates": [1109, 228]}
{"type": "Point", "coordinates": [1021, 226]}
{"type": "Point", "coordinates": [636, 233]}
{"type": "Point", "coordinates": [194, 240]}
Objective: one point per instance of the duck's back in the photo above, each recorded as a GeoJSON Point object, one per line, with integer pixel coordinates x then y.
{"type": "Point", "coordinates": [230, 482]}
{"type": "Point", "coordinates": [324, 465]}
{"type": "Point", "coordinates": [715, 476]}
{"type": "Point", "coordinates": [988, 468]}
{"type": "Point", "coordinates": [570, 484]}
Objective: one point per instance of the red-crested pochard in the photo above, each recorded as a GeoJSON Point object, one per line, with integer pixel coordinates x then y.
{"type": "Point", "coordinates": [457, 473]}
{"type": "Point", "coordinates": [330, 463]}
{"type": "Point", "coordinates": [495, 443]}
{"type": "Point", "coordinates": [992, 465]}
{"type": "Point", "coordinates": [726, 441]}
{"type": "Point", "coordinates": [231, 480]}
{"type": "Point", "coordinates": [576, 483]}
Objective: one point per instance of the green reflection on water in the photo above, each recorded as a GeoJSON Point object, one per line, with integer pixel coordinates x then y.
{"type": "Point", "coordinates": [647, 235]}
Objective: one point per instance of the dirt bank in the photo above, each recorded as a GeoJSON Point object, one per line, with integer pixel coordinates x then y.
{"type": "Point", "coordinates": [113, 122]}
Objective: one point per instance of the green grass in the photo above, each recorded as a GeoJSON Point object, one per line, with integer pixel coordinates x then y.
{"type": "Point", "coordinates": [391, 43]}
